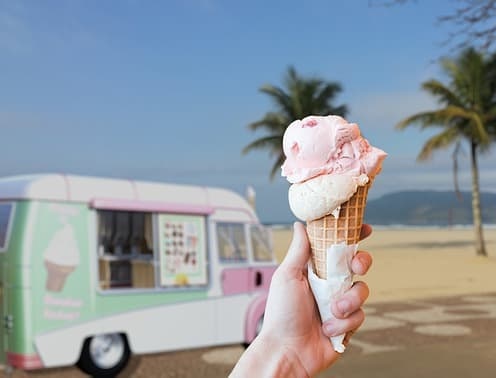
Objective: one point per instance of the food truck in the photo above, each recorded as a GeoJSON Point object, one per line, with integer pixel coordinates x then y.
{"type": "Point", "coordinates": [94, 270]}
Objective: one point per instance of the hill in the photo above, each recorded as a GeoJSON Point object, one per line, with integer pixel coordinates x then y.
{"type": "Point", "coordinates": [428, 208]}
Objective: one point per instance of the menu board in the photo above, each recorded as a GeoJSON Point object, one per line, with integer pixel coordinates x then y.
{"type": "Point", "coordinates": [183, 253]}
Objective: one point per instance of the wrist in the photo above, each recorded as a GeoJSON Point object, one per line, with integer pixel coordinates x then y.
{"type": "Point", "coordinates": [268, 358]}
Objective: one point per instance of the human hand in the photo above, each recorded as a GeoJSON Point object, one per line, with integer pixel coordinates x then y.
{"type": "Point", "coordinates": [291, 320]}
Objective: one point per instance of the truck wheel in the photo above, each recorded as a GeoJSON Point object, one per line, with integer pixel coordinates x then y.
{"type": "Point", "coordinates": [104, 355]}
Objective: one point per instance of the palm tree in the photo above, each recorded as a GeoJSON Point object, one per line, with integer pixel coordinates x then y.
{"type": "Point", "coordinates": [467, 112]}
{"type": "Point", "coordinates": [300, 97]}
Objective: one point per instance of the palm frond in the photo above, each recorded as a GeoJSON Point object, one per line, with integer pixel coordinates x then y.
{"type": "Point", "coordinates": [278, 95]}
{"type": "Point", "coordinates": [423, 120]}
{"type": "Point", "coordinates": [328, 92]}
{"type": "Point", "coordinates": [439, 141]}
{"type": "Point", "coordinates": [443, 93]}
{"type": "Point", "coordinates": [341, 110]}
{"type": "Point", "coordinates": [271, 143]}
{"type": "Point", "coordinates": [276, 167]}
{"type": "Point", "coordinates": [459, 118]}
{"type": "Point", "coordinates": [480, 134]}
{"type": "Point", "coordinates": [271, 122]}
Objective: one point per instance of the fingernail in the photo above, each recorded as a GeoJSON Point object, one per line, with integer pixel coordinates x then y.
{"type": "Point", "coordinates": [330, 328]}
{"type": "Point", "coordinates": [360, 259]}
{"type": "Point", "coordinates": [344, 306]}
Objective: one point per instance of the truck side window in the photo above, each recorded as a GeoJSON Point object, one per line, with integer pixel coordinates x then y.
{"type": "Point", "coordinates": [231, 241]}
{"type": "Point", "coordinates": [261, 243]}
{"type": "Point", "coordinates": [125, 250]}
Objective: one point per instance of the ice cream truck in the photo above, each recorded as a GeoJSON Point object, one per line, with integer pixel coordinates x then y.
{"type": "Point", "coordinates": [93, 270]}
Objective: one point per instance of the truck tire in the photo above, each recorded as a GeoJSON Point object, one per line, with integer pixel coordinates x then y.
{"type": "Point", "coordinates": [104, 355]}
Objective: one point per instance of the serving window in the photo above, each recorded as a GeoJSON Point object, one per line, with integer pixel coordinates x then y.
{"type": "Point", "coordinates": [125, 249]}
{"type": "Point", "coordinates": [128, 257]}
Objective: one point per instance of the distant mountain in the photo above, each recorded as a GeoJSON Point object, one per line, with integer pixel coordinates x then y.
{"type": "Point", "coordinates": [428, 208]}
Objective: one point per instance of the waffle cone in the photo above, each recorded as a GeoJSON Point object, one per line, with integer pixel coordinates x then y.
{"type": "Point", "coordinates": [329, 230]}
{"type": "Point", "coordinates": [56, 276]}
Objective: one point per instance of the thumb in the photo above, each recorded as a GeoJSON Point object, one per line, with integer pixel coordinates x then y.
{"type": "Point", "coordinates": [299, 250]}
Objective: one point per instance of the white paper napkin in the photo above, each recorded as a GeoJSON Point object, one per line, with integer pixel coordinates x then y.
{"type": "Point", "coordinates": [339, 280]}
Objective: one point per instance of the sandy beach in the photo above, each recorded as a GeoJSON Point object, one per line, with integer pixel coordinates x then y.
{"type": "Point", "coordinates": [415, 263]}
{"type": "Point", "coordinates": [430, 298]}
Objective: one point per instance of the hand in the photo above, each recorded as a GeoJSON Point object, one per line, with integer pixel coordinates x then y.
{"type": "Point", "coordinates": [292, 322]}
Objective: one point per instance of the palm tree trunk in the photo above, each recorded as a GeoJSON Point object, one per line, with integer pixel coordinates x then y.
{"type": "Point", "coordinates": [480, 246]}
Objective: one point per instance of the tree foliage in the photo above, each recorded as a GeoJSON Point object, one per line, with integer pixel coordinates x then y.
{"type": "Point", "coordinates": [299, 97]}
{"type": "Point", "coordinates": [467, 111]}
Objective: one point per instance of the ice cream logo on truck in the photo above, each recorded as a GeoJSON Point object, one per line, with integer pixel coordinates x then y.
{"type": "Point", "coordinates": [90, 266]}
{"type": "Point", "coordinates": [61, 258]}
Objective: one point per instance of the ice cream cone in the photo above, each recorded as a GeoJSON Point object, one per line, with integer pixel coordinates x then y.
{"type": "Point", "coordinates": [331, 167]}
{"type": "Point", "coordinates": [56, 276]}
{"type": "Point", "coordinates": [329, 230]}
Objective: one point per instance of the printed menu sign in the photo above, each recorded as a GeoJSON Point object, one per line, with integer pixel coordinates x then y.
{"type": "Point", "coordinates": [183, 259]}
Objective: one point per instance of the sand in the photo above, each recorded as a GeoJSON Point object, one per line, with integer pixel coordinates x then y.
{"type": "Point", "coordinates": [421, 262]}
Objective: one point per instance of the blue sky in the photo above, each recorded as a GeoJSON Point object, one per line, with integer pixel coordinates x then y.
{"type": "Point", "coordinates": [163, 90]}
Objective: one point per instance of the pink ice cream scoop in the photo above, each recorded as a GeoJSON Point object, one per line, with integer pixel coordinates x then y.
{"type": "Point", "coordinates": [318, 145]}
